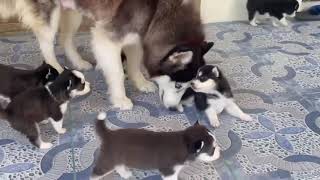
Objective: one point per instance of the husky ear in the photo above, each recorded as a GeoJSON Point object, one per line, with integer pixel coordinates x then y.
{"type": "Point", "coordinates": [215, 71]}
{"type": "Point", "coordinates": [68, 4]}
{"type": "Point", "coordinates": [181, 58]}
{"type": "Point", "coordinates": [205, 47]}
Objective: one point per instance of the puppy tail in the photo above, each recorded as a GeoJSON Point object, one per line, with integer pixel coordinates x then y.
{"type": "Point", "coordinates": [3, 113]}
{"type": "Point", "coordinates": [101, 128]}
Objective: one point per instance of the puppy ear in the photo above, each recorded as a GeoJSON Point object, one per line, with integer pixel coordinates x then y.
{"type": "Point", "coordinates": [181, 58]}
{"type": "Point", "coordinates": [197, 123]}
{"type": "Point", "coordinates": [205, 47]}
{"type": "Point", "coordinates": [197, 146]}
{"type": "Point", "coordinates": [69, 85]}
{"type": "Point", "coordinates": [215, 71]}
{"type": "Point", "coordinates": [68, 4]}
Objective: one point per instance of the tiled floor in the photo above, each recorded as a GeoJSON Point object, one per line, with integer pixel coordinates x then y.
{"type": "Point", "coordinates": [275, 74]}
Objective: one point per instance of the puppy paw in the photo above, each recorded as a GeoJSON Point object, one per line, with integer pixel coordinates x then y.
{"type": "Point", "coordinates": [44, 122]}
{"type": "Point", "coordinates": [123, 103]}
{"type": "Point", "coordinates": [146, 86]}
{"type": "Point", "coordinates": [246, 117]}
{"type": "Point", "coordinates": [45, 145]}
{"type": "Point", "coordinates": [253, 23]}
{"type": "Point", "coordinates": [62, 131]}
{"type": "Point", "coordinates": [126, 175]}
{"type": "Point", "coordinates": [83, 65]}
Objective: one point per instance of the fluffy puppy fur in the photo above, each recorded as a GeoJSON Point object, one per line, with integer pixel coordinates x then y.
{"type": "Point", "coordinates": [14, 81]}
{"type": "Point", "coordinates": [213, 95]}
{"type": "Point", "coordinates": [142, 149]}
{"type": "Point", "coordinates": [43, 18]}
{"type": "Point", "coordinates": [146, 31]}
{"type": "Point", "coordinates": [277, 9]}
{"type": "Point", "coordinates": [37, 104]}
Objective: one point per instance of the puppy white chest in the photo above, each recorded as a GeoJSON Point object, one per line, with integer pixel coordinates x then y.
{"type": "Point", "coordinates": [64, 107]}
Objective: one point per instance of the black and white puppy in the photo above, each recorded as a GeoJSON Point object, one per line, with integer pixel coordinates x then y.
{"type": "Point", "coordinates": [142, 149]}
{"type": "Point", "coordinates": [35, 105]}
{"type": "Point", "coordinates": [278, 9]}
{"type": "Point", "coordinates": [213, 95]}
{"type": "Point", "coordinates": [14, 81]}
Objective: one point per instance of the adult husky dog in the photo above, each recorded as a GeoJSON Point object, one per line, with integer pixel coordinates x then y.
{"type": "Point", "coordinates": [43, 18]}
{"type": "Point", "coordinates": [167, 35]}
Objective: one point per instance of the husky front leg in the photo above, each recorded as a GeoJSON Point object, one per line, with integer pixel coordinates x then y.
{"type": "Point", "coordinates": [234, 110]}
{"type": "Point", "coordinates": [108, 56]}
{"type": "Point", "coordinates": [69, 25]}
{"type": "Point", "coordinates": [134, 54]}
{"type": "Point", "coordinates": [45, 34]}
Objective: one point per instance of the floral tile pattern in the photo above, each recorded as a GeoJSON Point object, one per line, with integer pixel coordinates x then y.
{"type": "Point", "coordinates": [275, 76]}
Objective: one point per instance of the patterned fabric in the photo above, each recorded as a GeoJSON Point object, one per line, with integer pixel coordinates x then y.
{"type": "Point", "coordinates": [275, 74]}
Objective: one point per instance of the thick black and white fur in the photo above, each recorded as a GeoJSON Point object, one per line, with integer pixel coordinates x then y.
{"type": "Point", "coordinates": [141, 149]}
{"type": "Point", "coordinates": [213, 95]}
{"type": "Point", "coordinates": [14, 81]}
{"type": "Point", "coordinates": [173, 86]}
{"type": "Point", "coordinates": [277, 9]}
{"type": "Point", "coordinates": [45, 18]}
{"type": "Point", "coordinates": [35, 105]}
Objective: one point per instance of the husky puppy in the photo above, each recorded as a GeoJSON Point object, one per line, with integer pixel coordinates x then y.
{"type": "Point", "coordinates": [277, 9]}
{"type": "Point", "coordinates": [213, 95]}
{"type": "Point", "coordinates": [142, 149]}
{"type": "Point", "coordinates": [149, 31]}
{"type": "Point", "coordinates": [37, 104]}
{"type": "Point", "coordinates": [14, 81]}
{"type": "Point", "coordinates": [43, 18]}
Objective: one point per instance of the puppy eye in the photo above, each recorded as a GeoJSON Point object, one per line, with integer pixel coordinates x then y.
{"type": "Point", "coordinates": [178, 86]}
{"type": "Point", "coordinates": [203, 78]}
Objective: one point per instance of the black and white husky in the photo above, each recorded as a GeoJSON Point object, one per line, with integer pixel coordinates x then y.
{"type": "Point", "coordinates": [35, 105]}
{"type": "Point", "coordinates": [167, 35]}
{"type": "Point", "coordinates": [213, 95]}
{"type": "Point", "coordinates": [277, 9]}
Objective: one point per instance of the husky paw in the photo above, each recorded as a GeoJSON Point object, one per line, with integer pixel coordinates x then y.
{"type": "Point", "coordinates": [246, 117]}
{"type": "Point", "coordinates": [45, 145]}
{"type": "Point", "coordinates": [83, 65]}
{"type": "Point", "coordinates": [215, 123]}
{"type": "Point", "coordinates": [146, 86]}
{"type": "Point", "coordinates": [123, 103]}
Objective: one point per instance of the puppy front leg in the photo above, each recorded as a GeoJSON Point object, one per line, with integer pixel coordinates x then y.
{"type": "Point", "coordinates": [57, 119]}
{"type": "Point", "coordinates": [234, 110]}
{"type": "Point", "coordinates": [213, 117]}
{"type": "Point", "coordinates": [108, 56]}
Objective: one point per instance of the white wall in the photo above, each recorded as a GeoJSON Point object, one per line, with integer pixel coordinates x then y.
{"type": "Point", "coordinates": [223, 10]}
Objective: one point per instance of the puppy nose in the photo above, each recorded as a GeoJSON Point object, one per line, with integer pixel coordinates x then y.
{"type": "Point", "coordinates": [173, 109]}
{"type": "Point", "coordinates": [192, 84]}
